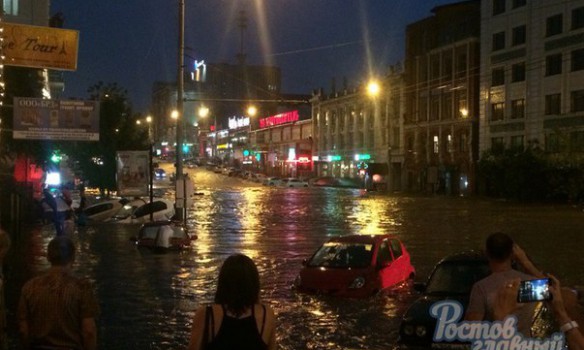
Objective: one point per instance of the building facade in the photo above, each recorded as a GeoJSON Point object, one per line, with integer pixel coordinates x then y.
{"type": "Point", "coordinates": [532, 69]}
{"type": "Point", "coordinates": [441, 92]}
{"type": "Point", "coordinates": [357, 135]}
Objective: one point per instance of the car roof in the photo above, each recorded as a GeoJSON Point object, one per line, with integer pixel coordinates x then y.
{"type": "Point", "coordinates": [161, 223]}
{"type": "Point", "coordinates": [361, 238]}
{"type": "Point", "coordinates": [471, 255]}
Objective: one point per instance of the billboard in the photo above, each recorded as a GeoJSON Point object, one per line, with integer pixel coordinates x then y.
{"type": "Point", "coordinates": [40, 47]}
{"type": "Point", "coordinates": [41, 119]}
{"type": "Point", "coordinates": [132, 175]}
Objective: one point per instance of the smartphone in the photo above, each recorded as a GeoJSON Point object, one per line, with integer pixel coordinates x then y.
{"type": "Point", "coordinates": [534, 290]}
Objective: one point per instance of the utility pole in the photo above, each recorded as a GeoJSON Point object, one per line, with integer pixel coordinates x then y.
{"type": "Point", "coordinates": [181, 207]}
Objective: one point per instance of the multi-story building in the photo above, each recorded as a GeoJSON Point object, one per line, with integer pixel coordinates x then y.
{"type": "Point", "coordinates": [282, 145]}
{"type": "Point", "coordinates": [441, 92]}
{"type": "Point", "coordinates": [33, 12]}
{"type": "Point", "coordinates": [356, 135]}
{"type": "Point", "coordinates": [532, 69]}
{"type": "Point", "coordinates": [225, 90]}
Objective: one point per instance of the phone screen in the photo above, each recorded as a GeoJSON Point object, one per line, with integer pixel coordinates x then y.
{"type": "Point", "coordinates": [534, 290]}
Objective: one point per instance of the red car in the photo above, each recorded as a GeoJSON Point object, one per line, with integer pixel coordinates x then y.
{"type": "Point", "coordinates": [356, 266]}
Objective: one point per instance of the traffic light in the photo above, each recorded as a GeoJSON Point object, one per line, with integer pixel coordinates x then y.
{"type": "Point", "coordinates": [56, 157]}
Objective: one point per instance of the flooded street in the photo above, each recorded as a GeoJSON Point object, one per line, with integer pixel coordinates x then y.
{"type": "Point", "coordinates": [148, 300]}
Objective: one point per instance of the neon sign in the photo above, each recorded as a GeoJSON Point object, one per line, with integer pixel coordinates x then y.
{"type": "Point", "coordinates": [238, 122]}
{"type": "Point", "coordinates": [200, 72]}
{"type": "Point", "coordinates": [282, 118]}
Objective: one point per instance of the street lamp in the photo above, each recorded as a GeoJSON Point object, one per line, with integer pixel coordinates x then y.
{"type": "Point", "coordinates": [373, 88]}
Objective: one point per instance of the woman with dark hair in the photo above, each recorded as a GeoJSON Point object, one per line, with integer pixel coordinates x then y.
{"type": "Point", "coordinates": [237, 319]}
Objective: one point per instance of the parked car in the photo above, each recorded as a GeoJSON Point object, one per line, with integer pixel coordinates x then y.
{"type": "Point", "coordinates": [104, 210]}
{"type": "Point", "coordinates": [138, 211]}
{"type": "Point", "coordinates": [272, 181]}
{"type": "Point", "coordinates": [294, 182]}
{"type": "Point", "coordinates": [163, 236]}
{"type": "Point", "coordinates": [452, 278]}
{"type": "Point", "coordinates": [356, 266]}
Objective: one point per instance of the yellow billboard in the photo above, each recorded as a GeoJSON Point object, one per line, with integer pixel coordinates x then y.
{"type": "Point", "coordinates": [40, 47]}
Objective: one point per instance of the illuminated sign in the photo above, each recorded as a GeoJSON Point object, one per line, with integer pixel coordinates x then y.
{"type": "Point", "coordinates": [282, 118]}
{"type": "Point", "coordinates": [291, 154]}
{"type": "Point", "coordinates": [303, 160]}
{"type": "Point", "coordinates": [333, 158]}
{"type": "Point", "coordinates": [315, 158]}
{"type": "Point", "coordinates": [39, 47]}
{"type": "Point", "coordinates": [222, 146]}
{"type": "Point", "coordinates": [238, 122]}
{"type": "Point", "coordinates": [359, 157]}
{"type": "Point", "coordinates": [200, 72]}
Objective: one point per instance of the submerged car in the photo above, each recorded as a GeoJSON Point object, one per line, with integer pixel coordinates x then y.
{"type": "Point", "coordinates": [294, 182]}
{"type": "Point", "coordinates": [138, 211]}
{"type": "Point", "coordinates": [356, 266]}
{"type": "Point", "coordinates": [163, 236]}
{"type": "Point", "coordinates": [104, 210]}
{"type": "Point", "coordinates": [452, 278]}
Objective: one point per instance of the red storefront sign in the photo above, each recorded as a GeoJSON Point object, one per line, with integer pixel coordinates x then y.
{"type": "Point", "coordinates": [282, 118]}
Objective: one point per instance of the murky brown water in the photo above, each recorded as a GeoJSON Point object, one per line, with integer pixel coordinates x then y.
{"type": "Point", "coordinates": [148, 300]}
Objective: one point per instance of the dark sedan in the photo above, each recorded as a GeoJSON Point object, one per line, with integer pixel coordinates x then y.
{"type": "Point", "coordinates": [452, 279]}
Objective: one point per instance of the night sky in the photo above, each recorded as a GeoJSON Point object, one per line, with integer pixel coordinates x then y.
{"type": "Point", "coordinates": [134, 42]}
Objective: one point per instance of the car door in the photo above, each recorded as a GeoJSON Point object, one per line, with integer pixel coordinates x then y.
{"type": "Point", "coordinates": [385, 269]}
{"type": "Point", "coordinates": [401, 263]}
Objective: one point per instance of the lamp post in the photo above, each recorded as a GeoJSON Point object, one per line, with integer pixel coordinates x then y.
{"type": "Point", "coordinates": [251, 111]}
{"type": "Point", "coordinates": [181, 214]}
{"type": "Point", "coordinates": [373, 91]}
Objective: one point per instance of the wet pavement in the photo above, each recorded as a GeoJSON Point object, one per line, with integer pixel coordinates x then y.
{"type": "Point", "coordinates": [147, 299]}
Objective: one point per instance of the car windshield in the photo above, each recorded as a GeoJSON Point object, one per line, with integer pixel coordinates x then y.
{"type": "Point", "coordinates": [125, 211]}
{"type": "Point", "coordinates": [456, 277]}
{"type": "Point", "coordinates": [343, 255]}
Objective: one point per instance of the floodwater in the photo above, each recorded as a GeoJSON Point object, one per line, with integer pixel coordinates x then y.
{"type": "Point", "coordinates": [148, 300]}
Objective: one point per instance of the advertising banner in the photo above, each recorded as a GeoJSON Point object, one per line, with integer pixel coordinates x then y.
{"type": "Point", "coordinates": [132, 173]}
{"type": "Point", "coordinates": [40, 119]}
{"type": "Point", "coordinates": [40, 47]}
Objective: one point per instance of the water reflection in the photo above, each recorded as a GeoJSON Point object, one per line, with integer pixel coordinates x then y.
{"type": "Point", "coordinates": [148, 300]}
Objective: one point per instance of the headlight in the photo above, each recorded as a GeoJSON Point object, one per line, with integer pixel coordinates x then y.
{"type": "Point", "coordinates": [357, 283]}
{"type": "Point", "coordinates": [420, 331]}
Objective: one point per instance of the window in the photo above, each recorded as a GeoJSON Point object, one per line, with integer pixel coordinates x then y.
{"type": "Point", "coordinates": [517, 142]}
{"type": "Point", "coordinates": [577, 141]}
{"type": "Point", "coordinates": [518, 109]}
{"type": "Point", "coordinates": [498, 41]}
{"type": "Point", "coordinates": [11, 7]}
{"type": "Point", "coordinates": [518, 36]}
{"type": "Point", "coordinates": [577, 101]}
{"type": "Point", "coordinates": [498, 7]}
{"type": "Point", "coordinates": [497, 111]}
{"type": "Point", "coordinates": [498, 77]}
{"type": "Point", "coordinates": [553, 143]}
{"type": "Point", "coordinates": [577, 60]}
{"type": "Point", "coordinates": [553, 64]}
{"type": "Point", "coordinates": [497, 144]}
{"type": "Point", "coordinates": [578, 18]}
{"type": "Point", "coordinates": [396, 248]}
{"type": "Point", "coordinates": [554, 25]}
{"type": "Point", "coordinates": [436, 144]}
{"type": "Point", "coordinates": [553, 104]}
{"type": "Point", "coordinates": [383, 255]}
{"type": "Point", "coordinates": [518, 72]}
{"type": "Point", "coordinates": [518, 3]}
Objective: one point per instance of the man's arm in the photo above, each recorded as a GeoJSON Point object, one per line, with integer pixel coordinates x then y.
{"type": "Point", "coordinates": [89, 334]}
{"type": "Point", "coordinates": [522, 259]}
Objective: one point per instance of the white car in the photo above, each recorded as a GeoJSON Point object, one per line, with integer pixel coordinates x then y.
{"type": "Point", "coordinates": [138, 211]}
{"type": "Point", "coordinates": [272, 181]}
{"type": "Point", "coordinates": [294, 182]}
{"type": "Point", "coordinates": [104, 210]}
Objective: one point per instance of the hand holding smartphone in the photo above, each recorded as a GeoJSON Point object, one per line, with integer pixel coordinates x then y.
{"type": "Point", "coordinates": [534, 290]}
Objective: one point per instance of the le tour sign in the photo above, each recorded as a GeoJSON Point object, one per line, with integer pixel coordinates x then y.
{"type": "Point", "coordinates": [40, 47]}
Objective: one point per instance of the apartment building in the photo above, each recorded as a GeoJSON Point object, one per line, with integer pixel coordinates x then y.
{"type": "Point", "coordinates": [532, 75]}
{"type": "Point", "coordinates": [441, 100]}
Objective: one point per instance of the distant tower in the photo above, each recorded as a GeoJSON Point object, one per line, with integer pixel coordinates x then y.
{"type": "Point", "coordinates": [242, 24]}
